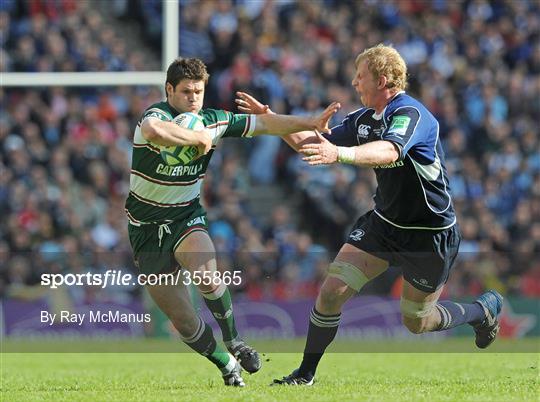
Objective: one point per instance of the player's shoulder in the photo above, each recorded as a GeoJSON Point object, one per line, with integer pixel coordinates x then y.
{"type": "Point", "coordinates": [401, 100]}
{"type": "Point", "coordinates": [355, 114]}
{"type": "Point", "coordinates": [403, 103]}
{"type": "Point", "coordinates": [161, 110]}
{"type": "Point", "coordinates": [354, 117]}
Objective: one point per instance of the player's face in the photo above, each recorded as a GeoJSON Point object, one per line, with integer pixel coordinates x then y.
{"type": "Point", "coordinates": [187, 96]}
{"type": "Point", "coordinates": [365, 84]}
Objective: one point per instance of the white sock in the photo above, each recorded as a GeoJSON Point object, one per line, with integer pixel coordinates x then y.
{"type": "Point", "coordinates": [230, 366]}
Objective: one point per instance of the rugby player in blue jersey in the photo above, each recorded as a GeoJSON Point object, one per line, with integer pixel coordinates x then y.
{"type": "Point", "coordinates": [413, 225]}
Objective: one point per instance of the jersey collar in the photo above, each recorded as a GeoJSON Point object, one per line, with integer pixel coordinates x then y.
{"type": "Point", "coordinates": [171, 107]}
{"type": "Point", "coordinates": [378, 116]}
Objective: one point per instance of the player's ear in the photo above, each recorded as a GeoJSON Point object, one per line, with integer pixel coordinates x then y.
{"type": "Point", "coordinates": [169, 88]}
{"type": "Point", "coordinates": [382, 82]}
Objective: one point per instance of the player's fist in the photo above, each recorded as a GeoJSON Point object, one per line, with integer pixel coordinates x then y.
{"type": "Point", "coordinates": [205, 142]}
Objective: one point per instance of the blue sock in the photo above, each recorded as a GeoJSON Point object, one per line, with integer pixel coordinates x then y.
{"type": "Point", "coordinates": [454, 314]}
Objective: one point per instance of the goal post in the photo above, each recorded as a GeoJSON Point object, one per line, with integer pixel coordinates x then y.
{"type": "Point", "coordinates": [170, 42]}
{"type": "Point", "coordinates": [81, 79]}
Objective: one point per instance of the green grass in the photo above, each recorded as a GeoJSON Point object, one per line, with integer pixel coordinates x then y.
{"type": "Point", "coordinates": [477, 376]}
{"type": "Point", "coordinates": [343, 345]}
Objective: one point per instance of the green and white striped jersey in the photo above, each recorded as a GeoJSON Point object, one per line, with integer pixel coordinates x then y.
{"type": "Point", "coordinates": [160, 193]}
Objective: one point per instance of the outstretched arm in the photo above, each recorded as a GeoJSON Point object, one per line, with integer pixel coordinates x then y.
{"type": "Point", "coordinates": [279, 124]}
{"type": "Point", "coordinates": [374, 153]}
{"type": "Point", "coordinates": [318, 150]}
{"type": "Point", "coordinates": [248, 104]}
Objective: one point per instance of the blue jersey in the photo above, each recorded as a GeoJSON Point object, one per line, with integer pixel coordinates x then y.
{"type": "Point", "coordinates": [413, 192]}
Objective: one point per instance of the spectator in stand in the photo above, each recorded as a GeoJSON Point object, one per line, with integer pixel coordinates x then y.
{"type": "Point", "coordinates": [475, 64]}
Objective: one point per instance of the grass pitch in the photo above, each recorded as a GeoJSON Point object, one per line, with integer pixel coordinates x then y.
{"type": "Point", "coordinates": [477, 376]}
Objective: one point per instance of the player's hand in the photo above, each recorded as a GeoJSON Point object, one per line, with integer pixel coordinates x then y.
{"type": "Point", "coordinates": [205, 142]}
{"type": "Point", "coordinates": [323, 153]}
{"type": "Point", "coordinates": [248, 104]}
{"type": "Point", "coordinates": [321, 123]}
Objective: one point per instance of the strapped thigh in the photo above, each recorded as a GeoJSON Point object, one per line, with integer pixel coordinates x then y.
{"type": "Point", "coordinates": [348, 273]}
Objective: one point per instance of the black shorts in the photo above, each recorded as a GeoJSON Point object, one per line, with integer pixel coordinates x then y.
{"type": "Point", "coordinates": [425, 256]}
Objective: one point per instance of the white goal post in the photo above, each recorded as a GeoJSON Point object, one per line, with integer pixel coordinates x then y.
{"type": "Point", "coordinates": [170, 42]}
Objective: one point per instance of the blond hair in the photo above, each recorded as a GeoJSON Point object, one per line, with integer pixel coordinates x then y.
{"type": "Point", "coordinates": [385, 60]}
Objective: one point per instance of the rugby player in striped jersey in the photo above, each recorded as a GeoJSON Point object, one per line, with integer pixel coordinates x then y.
{"type": "Point", "coordinates": [168, 225]}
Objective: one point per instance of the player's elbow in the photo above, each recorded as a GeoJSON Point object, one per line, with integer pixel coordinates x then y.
{"type": "Point", "coordinates": [393, 151]}
{"type": "Point", "coordinates": [150, 136]}
{"type": "Point", "coordinates": [150, 130]}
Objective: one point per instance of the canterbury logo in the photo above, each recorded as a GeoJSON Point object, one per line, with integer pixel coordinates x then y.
{"type": "Point", "coordinates": [363, 130]}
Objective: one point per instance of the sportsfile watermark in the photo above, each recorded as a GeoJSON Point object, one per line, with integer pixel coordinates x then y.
{"type": "Point", "coordinates": [113, 277]}
{"type": "Point", "coordinates": [98, 302]}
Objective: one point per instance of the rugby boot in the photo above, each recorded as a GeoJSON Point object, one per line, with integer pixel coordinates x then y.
{"type": "Point", "coordinates": [294, 379]}
{"type": "Point", "coordinates": [234, 378]}
{"type": "Point", "coordinates": [247, 357]}
{"type": "Point", "coordinates": [487, 330]}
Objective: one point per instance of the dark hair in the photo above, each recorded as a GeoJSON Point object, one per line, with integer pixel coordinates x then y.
{"type": "Point", "coordinates": [191, 69]}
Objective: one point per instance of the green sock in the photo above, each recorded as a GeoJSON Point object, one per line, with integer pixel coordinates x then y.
{"type": "Point", "coordinates": [204, 343]}
{"type": "Point", "coordinates": [220, 304]}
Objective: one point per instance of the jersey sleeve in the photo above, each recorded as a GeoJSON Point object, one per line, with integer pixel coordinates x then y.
{"type": "Point", "coordinates": [156, 112]}
{"type": "Point", "coordinates": [226, 124]}
{"type": "Point", "coordinates": [402, 129]}
{"type": "Point", "coordinates": [344, 134]}
{"type": "Point", "coordinates": [153, 112]}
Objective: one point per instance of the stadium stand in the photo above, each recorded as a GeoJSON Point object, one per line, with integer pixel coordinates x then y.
{"type": "Point", "coordinates": [64, 155]}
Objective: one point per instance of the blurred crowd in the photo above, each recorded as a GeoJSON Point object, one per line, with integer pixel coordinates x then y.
{"type": "Point", "coordinates": [63, 35]}
{"type": "Point", "coordinates": [65, 154]}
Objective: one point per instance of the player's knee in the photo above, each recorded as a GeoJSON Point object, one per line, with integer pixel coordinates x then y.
{"type": "Point", "coordinates": [204, 278]}
{"type": "Point", "coordinates": [330, 297]}
{"type": "Point", "coordinates": [415, 315]}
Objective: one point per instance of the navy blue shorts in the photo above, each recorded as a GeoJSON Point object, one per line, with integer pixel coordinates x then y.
{"type": "Point", "coordinates": [424, 256]}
